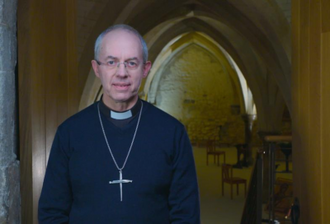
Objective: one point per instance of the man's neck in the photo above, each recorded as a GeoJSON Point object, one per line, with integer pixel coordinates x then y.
{"type": "Point", "coordinates": [120, 119]}
{"type": "Point", "coordinates": [119, 106]}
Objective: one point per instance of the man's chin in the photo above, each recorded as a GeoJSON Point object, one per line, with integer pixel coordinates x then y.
{"type": "Point", "coordinates": [125, 99]}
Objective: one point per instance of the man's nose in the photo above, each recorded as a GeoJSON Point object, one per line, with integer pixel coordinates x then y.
{"type": "Point", "coordinates": [121, 69]}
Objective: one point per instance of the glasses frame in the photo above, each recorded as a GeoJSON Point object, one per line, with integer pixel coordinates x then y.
{"type": "Point", "coordinates": [118, 64]}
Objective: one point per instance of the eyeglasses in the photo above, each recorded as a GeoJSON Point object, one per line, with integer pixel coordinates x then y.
{"type": "Point", "coordinates": [130, 64]}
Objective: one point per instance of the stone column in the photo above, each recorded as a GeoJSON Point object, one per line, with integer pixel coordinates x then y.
{"type": "Point", "coordinates": [9, 165]}
{"type": "Point", "coordinates": [248, 121]}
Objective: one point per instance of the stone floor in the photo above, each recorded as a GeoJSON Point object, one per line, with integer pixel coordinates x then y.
{"type": "Point", "coordinates": [216, 208]}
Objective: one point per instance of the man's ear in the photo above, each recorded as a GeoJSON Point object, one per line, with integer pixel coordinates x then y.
{"type": "Point", "coordinates": [95, 68]}
{"type": "Point", "coordinates": [146, 68]}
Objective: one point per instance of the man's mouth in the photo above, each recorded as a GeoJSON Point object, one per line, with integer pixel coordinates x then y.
{"type": "Point", "coordinates": [121, 84]}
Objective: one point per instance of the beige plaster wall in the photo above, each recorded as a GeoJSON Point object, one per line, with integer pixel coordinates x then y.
{"type": "Point", "coordinates": [196, 89]}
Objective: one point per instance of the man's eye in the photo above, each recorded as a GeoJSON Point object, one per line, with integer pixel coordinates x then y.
{"type": "Point", "coordinates": [132, 64]}
{"type": "Point", "coordinates": [111, 62]}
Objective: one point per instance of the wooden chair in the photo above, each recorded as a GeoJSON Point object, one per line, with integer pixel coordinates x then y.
{"type": "Point", "coordinates": [211, 150]}
{"type": "Point", "coordinates": [227, 177]}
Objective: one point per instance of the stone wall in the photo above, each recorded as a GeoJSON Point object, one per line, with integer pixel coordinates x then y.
{"type": "Point", "coordinates": [9, 166]}
{"type": "Point", "coordinates": [196, 89]}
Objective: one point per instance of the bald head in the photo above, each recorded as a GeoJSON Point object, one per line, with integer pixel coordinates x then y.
{"type": "Point", "coordinates": [123, 27]}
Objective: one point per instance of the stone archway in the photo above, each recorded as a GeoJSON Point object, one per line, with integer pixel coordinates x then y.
{"type": "Point", "coordinates": [56, 95]}
{"type": "Point", "coordinates": [262, 56]}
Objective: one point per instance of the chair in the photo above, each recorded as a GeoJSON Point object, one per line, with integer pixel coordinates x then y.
{"type": "Point", "coordinates": [211, 150]}
{"type": "Point", "coordinates": [227, 177]}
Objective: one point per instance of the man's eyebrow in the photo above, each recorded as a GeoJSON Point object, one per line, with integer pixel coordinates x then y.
{"type": "Point", "coordinates": [133, 58]}
{"type": "Point", "coordinates": [111, 57]}
{"type": "Point", "coordinates": [128, 59]}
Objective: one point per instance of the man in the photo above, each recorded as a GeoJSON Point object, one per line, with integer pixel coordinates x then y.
{"type": "Point", "coordinates": [121, 160]}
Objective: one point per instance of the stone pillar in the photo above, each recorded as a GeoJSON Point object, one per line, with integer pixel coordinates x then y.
{"type": "Point", "coordinates": [248, 121]}
{"type": "Point", "coordinates": [9, 165]}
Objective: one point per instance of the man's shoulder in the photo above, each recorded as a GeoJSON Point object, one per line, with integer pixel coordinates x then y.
{"type": "Point", "coordinates": [80, 118]}
{"type": "Point", "coordinates": [157, 115]}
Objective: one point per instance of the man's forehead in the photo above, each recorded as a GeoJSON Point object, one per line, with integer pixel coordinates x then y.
{"type": "Point", "coordinates": [121, 41]}
{"type": "Point", "coordinates": [121, 35]}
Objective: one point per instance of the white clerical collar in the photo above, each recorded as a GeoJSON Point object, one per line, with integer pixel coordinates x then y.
{"type": "Point", "coordinates": [121, 115]}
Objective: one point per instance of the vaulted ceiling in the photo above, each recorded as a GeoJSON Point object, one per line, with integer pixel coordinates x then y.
{"type": "Point", "coordinates": [256, 35]}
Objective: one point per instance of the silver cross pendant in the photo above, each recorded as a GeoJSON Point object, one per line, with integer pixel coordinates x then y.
{"type": "Point", "coordinates": [121, 181]}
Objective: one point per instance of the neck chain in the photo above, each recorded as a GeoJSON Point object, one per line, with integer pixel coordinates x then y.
{"type": "Point", "coordinates": [120, 181]}
{"type": "Point", "coordinates": [106, 140]}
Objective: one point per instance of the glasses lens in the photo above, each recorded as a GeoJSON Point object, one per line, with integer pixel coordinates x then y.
{"type": "Point", "coordinates": [111, 63]}
{"type": "Point", "coordinates": [132, 64]}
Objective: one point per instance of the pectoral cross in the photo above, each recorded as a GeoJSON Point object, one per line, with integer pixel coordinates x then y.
{"type": "Point", "coordinates": [121, 181]}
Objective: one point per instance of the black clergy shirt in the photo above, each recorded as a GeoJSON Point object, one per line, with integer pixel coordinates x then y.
{"type": "Point", "coordinates": [76, 187]}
